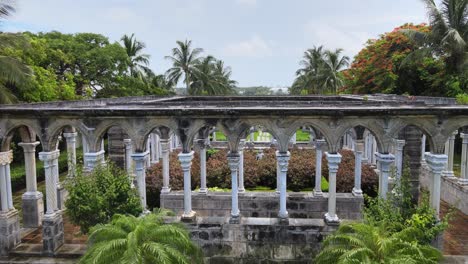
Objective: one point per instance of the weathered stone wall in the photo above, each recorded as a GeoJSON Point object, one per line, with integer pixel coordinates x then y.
{"type": "Point", "coordinates": [450, 191]}
{"type": "Point", "coordinates": [258, 240]}
{"type": "Point", "coordinates": [265, 204]}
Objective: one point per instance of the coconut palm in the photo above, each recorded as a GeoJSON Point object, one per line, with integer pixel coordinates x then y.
{"type": "Point", "coordinates": [212, 78]}
{"type": "Point", "coordinates": [12, 71]}
{"type": "Point", "coordinates": [129, 239]}
{"type": "Point", "coordinates": [312, 63]}
{"type": "Point", "coordinates": [184, 59]}
{"type": "Point", "coordinates": [448, 37]}
{"type": "Point", "coordinates": [329, 76]}
{"type": "Point", "coordinates": [364, 243]}
{"type": "Point", "coordinates": [224, 74]}
{"type": "Point", "coordinates": [138, 62]}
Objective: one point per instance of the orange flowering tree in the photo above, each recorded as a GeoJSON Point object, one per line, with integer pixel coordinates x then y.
{"type": "Point", "coordinates": [385, 66]}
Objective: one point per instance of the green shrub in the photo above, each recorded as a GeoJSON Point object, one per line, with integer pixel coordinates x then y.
{"type": "Point", "coordinates": [462, 98]}
{"type": "Point", "coordinates": [93, 199]}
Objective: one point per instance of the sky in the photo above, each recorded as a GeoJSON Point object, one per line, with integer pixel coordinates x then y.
{"type": "Point", "coordinates": [262, 40]}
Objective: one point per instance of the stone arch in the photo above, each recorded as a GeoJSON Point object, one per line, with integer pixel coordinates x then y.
{"type": "Point", "coordinates": [59, 126]}
{"type": "Point", "coordinates": [29, 131]}
{"type": "Point", "coordinates": [103, 127]}
{"type": "Point", "coordinates": [424, 126]}
{"type": "Point", "coordinates": [375, 130]}
{"type": "Point", "coordinates": [318, 126]}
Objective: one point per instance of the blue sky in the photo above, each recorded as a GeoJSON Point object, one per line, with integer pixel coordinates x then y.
{"type": "Point", "coordinates": [262, 40]}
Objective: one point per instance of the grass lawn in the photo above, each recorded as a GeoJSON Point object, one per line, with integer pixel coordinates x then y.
{"type": "Point", "coordinates": [301, 136]}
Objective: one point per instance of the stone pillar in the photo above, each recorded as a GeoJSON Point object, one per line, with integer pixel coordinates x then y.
{"type": "Point", "coordinates": [463, 180]}
{"type": "Point", "coordinates": [357, 191]}
{"type": "Point", "coordinates": [128, 155]}
{"type": "Point", "coordinates": [9, 220]}
{"type": "Point", "coordinates": [52, 224]}
{"type": "Point", "coordinates": [283, 160]}
{"type": "Point", "coordinates": [319, 145]}
{"type": "Point", "coordinates": [33, 206]}
{"type": "Point", "coordinates": [84, 143]}
{"type": "Point", "coordinates": [278, 177]}
{"type": "Point", "coordinates": [241, 166]}
{"type": "Point", "coordinates": [399, 144]}
{"type": "Point", "coordinates": [148, 149]}
{"type": "Point", "coordinates": [154, 148]}
{"type": "Point", "coordinates": [71, 152]}
{"type": "Point", "coordinates": [449, 151]}
{"type": "Point", "coordinates": [201, 145]}
{"type": "Point", "coordinates": [436, 163]}
{"type": "Point", "coordinates": [93, 159]}
{"type": "Point", "coordinates": [186, 162]}
{"type": "Point", "coordinates": [165, 148]}
{"type": "Point", "coordinates": [233, 161]}
{"type": "Point", "coordinates": [385, 161]}
{"type": "Point", "coordinates": [334, 160]}
{"type": "Point", "coordinates": [294, 139]}
{"type": "Point", "coordinates": [140, 170]}
{"type": "Point", "coordinates": [423, 148]}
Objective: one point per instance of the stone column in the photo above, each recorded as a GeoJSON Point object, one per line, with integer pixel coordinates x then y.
{"type": "Point", "coordinates": [165, 148]}
{"type": "Point", "coordinates": [282, 159]}
{"type": "Point", "coordinates": [278, 177]}
{"type": "Point", "coordinates": [449, 151]}
{"type": "Point", "coordinates": [201, 147]}
{"type": "Point", "coordinates": [93, 159]}
{"type": "Point", "coordinates": [84, 143]}
{"type": "Point", "coordinates": [423, 148]}
{"type": "Point", "coordinates": [154, 148]}
{"type": "Point", "coordinates": [385, 161]}
{"type": "Point", "coordinates": [149, 150]}
{"type": "Point", "coordinates": [128, 155]}
{"type": "Point", "coordinates": [140, 170]}
{"type": "Point", "coordinates": [463, 180]}
{"type": "Point", "coordinates": [399, 144]}
{"type": "Point", "coordinates": [436, 163]}
{"type": "Point", "coordinates": [241, 166]}
{"type": "Point", "coordinates": [319, 145]}
{"type": "Point", "coordinates": [357, 191]}
{"type": "Point", "coordinates": [71, 152]}
{"type": "Point", "coordinates": [334, 160]}
{"type": "Point", "coordinates": [52, 224]}
{"type": "Point", "coordinates": [186, 162]}
{"type": "Point", "coordinates": [9, 220]}
{"type": "Point", "coordinates": [233, 161]}
{"type": "Point", "coordinates": [33, 206]}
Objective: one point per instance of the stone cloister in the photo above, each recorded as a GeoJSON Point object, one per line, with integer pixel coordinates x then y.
{"type": "Point", "coordinates": [376, 128]}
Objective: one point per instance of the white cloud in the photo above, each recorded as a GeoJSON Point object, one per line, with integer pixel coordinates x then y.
{"type": "Point", "coordinates": [254, 47]}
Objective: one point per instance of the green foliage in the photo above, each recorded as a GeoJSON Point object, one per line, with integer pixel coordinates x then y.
{"type": "Point", "coordinates": [147, 239]}
{"type": "Point", "coordinates": [95, 198]}
{"type": "Point", "coordinates": [462, 98]}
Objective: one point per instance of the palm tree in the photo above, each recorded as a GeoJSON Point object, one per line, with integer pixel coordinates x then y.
{"type": "Point", "coordinates": [224, 73]}
{"type": "Point", "coordinates": [12, 71]}
{"type": "Point", "coordinates": [364, 243]}
{"type": "Point", "coordinates": [212, 78]}
{"type": "Point", "coordinates": [330, 76]}
{"type": "Point", "coordinates": [128, 239]}
{"type": "Point", "coordinates": [312, 63]}
{"type": "Point", "coordinates": [448, 37]}
{"type": "Point", "coordinates": [184, 60]}
{"type": "Point", "coordinates": [138, 62]}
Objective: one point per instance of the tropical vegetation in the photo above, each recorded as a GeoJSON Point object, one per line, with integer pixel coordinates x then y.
{"type": "Point", "coordinates": [145, 239]}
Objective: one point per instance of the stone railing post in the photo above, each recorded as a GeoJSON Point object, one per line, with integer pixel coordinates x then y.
{"type": "Point", "coordinates": [9, 219]}
{"type": "Point", "coordinates": [319, 145]}
{"type": "Point", "coordinates": [385, 161]}
{"type": "Point", "coordinates": [70, 138]}
{"type": "Point", "coordinates": [32, 199]}
{"type": "Point", "coordinates": [233, 161]}
{"type": "Point", "coordinates": [463, 180]}
{"type": "Point", "coordinates": [201, 145]}
{"type": "Point", "coordinates": [186, 163]}
{"type": "Point", "coordinates": [165, 150]}
{"type": "Point", "coordinates": [359, 147]}
{"type": "Point", "coordinates": [241, 166]}
{"type": "Point", "coordinates": [93, 159]}
{"type": "Point", "coordinates": [449, 151]}
{"type": "Point", "coordinates": [334, 160]}
{"type": "Point", "coordinates": [436, 163]}
{"type": "Point", "coordinates": [282, 159]}
{"type": "Point", "coordinates": [140, 160]}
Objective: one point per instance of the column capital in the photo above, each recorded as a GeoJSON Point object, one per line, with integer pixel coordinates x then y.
{"type": "Point", "coordinates": [186, 160]}
{"type": "Point", "coordinates": [201, 143]}
{"type": "Point", "coordinates": [165, 144]}
{"type": "Point", "coordinates": [94, 155]}
{"type": "Point", "coordinates": [139, 156]}
{"type": "Point", "coordinates": [283, 160]}
{"type": "Point", "coordinates": [399, 144]}
{"type": "Point", "coordinates": [29, 146]}
{"type": "Point", "coordinates": [454, 133]}
{"type": "Point", "coordinates": [334, 160]}
{"type": "Point", "coordinates": [385, 158]}
{"type": "Point", "coordinates": [464, 137]}
{"type": "Point", "coordinates": [127, 142]}
{"type": "Point", "coordinates": [6, 157]}
{"type": "Point", "coordinates": [70, 135]}
{"type": "Point", "coordinates": [436, 162]}
{"type": "Point", "coordinates": [320, 143]}
{"type": "Point", "coordinates": [233, 161]}
{"type": "Point", "coordinates": [48, 156]}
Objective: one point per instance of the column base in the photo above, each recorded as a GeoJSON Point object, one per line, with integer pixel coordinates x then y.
{"type": "Point", "coordinates": [203, 191]}
{"type": "Point", "coordinates": [33, 209]}
{"type": "Point", "coordinates": [52, 233]}
{"type": "Point", "coordinates": [190, 217]}
{"type": "Point", "coordinates": [357, 192]}
{"type": "Point", "coordinates": [448, 174]}
{"type": "Point", "coordinates": [318, 193]}
{"type": "Point", "coordinates": [235, 219]}
{"type": "Point", "coordinates": [10, 234]}
{"type": "Point", "coordinates": [331, 220]}
{"type": "Point", "coordinates": [283, 220]}
{"type": "Point", "coordinates": [241, 190]}
{"type": "Point", "coordinates": [165, 190]}
{"type": "Point", "coordinates": [463, 182]}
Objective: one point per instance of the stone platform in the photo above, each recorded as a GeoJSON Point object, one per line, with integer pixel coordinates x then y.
{"type": "Point", "coordinates": [265, 204]}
